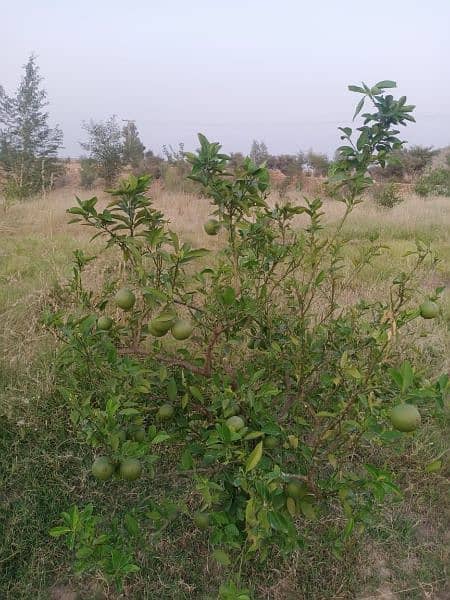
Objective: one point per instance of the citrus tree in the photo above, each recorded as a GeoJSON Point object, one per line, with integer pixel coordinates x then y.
{"type": "Point", "coordinates": [247, 374]}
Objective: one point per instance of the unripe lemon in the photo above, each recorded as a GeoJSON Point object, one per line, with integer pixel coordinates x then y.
{"type": "Point", "coordinates": [102, 468]}
{"type": "Point", "coordinates": [157, 329]}
{"type": "Point", "coordinates": [201, 519]}
{"type": "Point", "coordinates": [212, 226]}
{"type": "Point", "coordinates": [125, 299]}
{"type": "Point", "coordinates": [166, 411]}
{"type": "Point", "coordinates": [294, 490]}
{"type": "Point", "coordinates": [130, 469]}
{"type": "Point", "coordinates": [270, 442]}
{"type": "Point", "coordinates": [139, 434]}
{"type": "Point", "coordinates": [405, 417]}
{"type": "Point", "coordinates": [104, 323]}
{"type": "Point", "coordinates": [182, 329]}
{"type": "Point", "coordinates": [235, 423]}
{"type": "Point", "coordinates": [429, 310]}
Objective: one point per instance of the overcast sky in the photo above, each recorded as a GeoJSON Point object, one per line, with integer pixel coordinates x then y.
{"type": "Point", "coordinates": [235, 70]}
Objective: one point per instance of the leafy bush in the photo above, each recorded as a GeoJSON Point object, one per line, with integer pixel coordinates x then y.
{"type": "Point", "coordinates": [271, 410]}
{"type": "Point", "coordinates": [437, 183]}
{"type": "Point", "coordinates": [387, 195]}
{"type": "Point", "coordinates": [88, 172]}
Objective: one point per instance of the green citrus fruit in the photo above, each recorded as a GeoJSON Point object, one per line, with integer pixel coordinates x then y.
{"type": "Point", "coordinates": [104, 323]}
{"type": "Point", "coordinates": [270, 442]}
{"type": "Point", "coordinates": [212, 226]}
{"type": "Point", "coordinates": [201, 519]}
{"type": "Point", "coordinates": [294, 490]}
{"type": "Point", "coordinates": [182, 329]}
{"type": "Point", "coordinates": [130, 469]}
{"type": "Point", "coordinates": [166, 411]}
{"type": "Point", "coordinates": [125, 299]}
{"type": "Point", "coordinates": [429, 310]}
{"type": "Point", "coordinates": [102, 468]}
{"type": "Point", "coordinates": [122, 435]}
{"type": "Point", "coordinates": [139, 434]}
{"type": "Point", "coordinates": [235, 423]}
{"type": "Point", "coordinates": [405, 417]}
{"type": "Point", "coordinates": [231, 410]}
{"type": "Point", "coordinates": [156, 329]}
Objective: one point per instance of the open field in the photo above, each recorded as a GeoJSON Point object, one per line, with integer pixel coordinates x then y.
{"type": "Point", "coordinates": [43, 469]}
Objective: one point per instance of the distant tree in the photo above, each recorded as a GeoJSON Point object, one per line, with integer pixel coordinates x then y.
{"type": "Point", "coordinates": [88, 172]}
{"type": "Point", "coordinates": [318, 163]}
{"type": "Point", "coordinates": [172, 155]}
{"type": "Point", "coordinates": [236, 160]}
{"type": "Point", "coordinates": [416, 159]}
{"type": "Point", "coordinates": [28, 145]}
{"type": "Point", "coordinates": [105, 147]}
{"type": "Point", "coordinates": [259, 152]}
{"type": "Point", "coordinates": [133, 148]}
{"type": "Point", "coordinates": [409, 162]}
{"type": "Point", "coordinates": [289, 164]}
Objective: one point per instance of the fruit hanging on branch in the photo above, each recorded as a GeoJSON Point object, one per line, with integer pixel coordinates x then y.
{"type": "Point", "coordinates": [212, 227]}
{"type": "Point", "coordinates": [104, 323]}
{"type": "Point", "coordinates": [102, 468]}
{"type": "Point", "coordinates": [182, 329]}
{"type": "Point", "coordinates": [130, 469]}
{"type": "Point", "coordinates": [429, 310]}
{"type": "Point", "coordinates": [405, 417]}
{"type": "Point", "coordinates": [125, 299]}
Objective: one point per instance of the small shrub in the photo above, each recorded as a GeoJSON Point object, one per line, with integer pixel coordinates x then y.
{"type": "Point", "coordinates": [436, 182]}
{"type": "Point", "coordinates": [272, 410]}
{"type": "Point", "coordinates": [88, 172]}
{"type": "Point", "coordinates": [387, 195]}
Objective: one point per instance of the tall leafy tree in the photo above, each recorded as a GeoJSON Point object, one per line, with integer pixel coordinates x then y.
{"type": "Point", "coordinates": [105, 146]}
{"type": "Point", "coordinates": [28, 145]}
{"type": "Point", "coordinates": [258, 152]}
{"type": "Point", "coordinates": [133, 148]}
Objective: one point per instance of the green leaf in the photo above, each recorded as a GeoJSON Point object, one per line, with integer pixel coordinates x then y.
{"type": "Point", "coordinates": [160, 437]}
{"type": "Point", "coordinates": [292, 507]}
{"type": "Point", "coordinates": [308, 510]}
{"type": "Point", "coordinates": [172, 390]}
{"type": "Point", "coordinates": [58, 531]}
{"type": "Point", "coordinates": [434, 466]}
{"type": "Point", "coordinates": [357, 89]}
{"type": "Point", "coordinates": [222, 557]}
{"type": "Point", "coordinates": [358, 108]}
{"type": "Point", "coordinates": [228, 295]}
{"type": "Point", "coordinates": [386, 83]}
{"type": "Point", "coordinates": [254, 458]}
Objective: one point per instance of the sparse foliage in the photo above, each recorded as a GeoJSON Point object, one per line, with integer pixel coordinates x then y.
{"type": "Point", "coordinates": [258, 152]}
{"type": "Point", "coordinates": [271, 410]}
{"type": "Point", "coordinates": [28, 145]}
{"type": "Point", "coordinates": [105, 147]}
{"type": "Point", "coordinates": [133, 148]}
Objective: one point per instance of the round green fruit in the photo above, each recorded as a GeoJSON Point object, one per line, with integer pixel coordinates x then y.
{"type": "Point", "coordinates": [122, 434]}
{"type": "Point", "coordinates": [102, 468]}
{"type": "Point", "coordinates": [405, 417]}
{"type": "Point", "coordinates": [156, 329]}
{"type": "Point", "coordinates": [182, 329]}
{"type": "Point", "coordinates": [166, 411]}
{"type": "Point", "coordinates": [294, 490]}
{"type": "Point", "coordinates": [235, 423]}
{"type": "Point", "coordinates": [104, 323]}
{"type": "Point", "coordinates": [429, 310]}
{"type": "Point", "coordinates": [270, 442]}
{"type": "Point", "coordinates": [212, 226]}
{"type": "Point", "coordinates": [130, 469]}
{"type": "Point", "coordinates": [201, 519]}
{"type": "Point", "coordinates": [125, 299]}
{"type": "Point", "coordinates": [139, 434]}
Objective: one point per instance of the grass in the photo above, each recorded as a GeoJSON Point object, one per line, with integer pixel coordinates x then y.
{"type": "Point", "coordinates": [43, 469]}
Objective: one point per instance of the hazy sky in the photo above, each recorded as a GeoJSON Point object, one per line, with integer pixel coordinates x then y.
{"type": "Point", "coordinates": [235, 70]}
